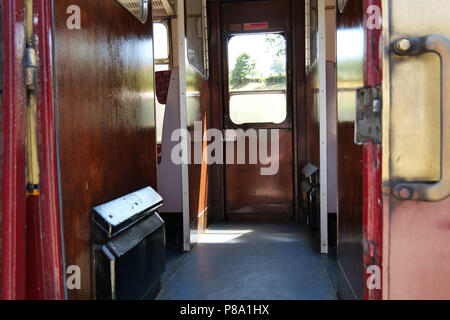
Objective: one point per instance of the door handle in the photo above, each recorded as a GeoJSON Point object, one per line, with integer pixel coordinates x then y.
{"type": "Point", "coordinates": [440, 190]}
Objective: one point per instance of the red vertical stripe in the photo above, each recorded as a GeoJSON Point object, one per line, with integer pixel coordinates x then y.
{"type": "Point", "coordinates": [31, 266]}
{"type": "Point", "coordinates": [14, 181]}
{"type": "Point", "coordinates": [49, 211]}
{"type": "Point", "coordinates": [372, 158]}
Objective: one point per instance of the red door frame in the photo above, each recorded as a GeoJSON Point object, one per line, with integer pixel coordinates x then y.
{"type": "Point", "coordinates": [43, 254]}
{"type": "Point", "coordinates": [372, 160]}
{"type": "Point", "coordinates": [14, 181]}
{"type": "Point", "coordinates": [49, 204]}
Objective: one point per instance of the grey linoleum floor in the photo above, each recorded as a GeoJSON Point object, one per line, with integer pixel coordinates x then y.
{"type": "Point", "coordinates": [252, 261]}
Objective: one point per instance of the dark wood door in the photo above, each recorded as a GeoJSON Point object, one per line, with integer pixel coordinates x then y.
{"type": "Point", "coordinates": [258, 104]}
{"type": "Point", "coordinates": [350, 168]}
{"type": "Point", "coordinates": [106, 126]}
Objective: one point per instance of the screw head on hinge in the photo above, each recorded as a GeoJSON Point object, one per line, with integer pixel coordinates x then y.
{"type": "Point", "coordinates": [403, 45]}
{"type": "Point", "coordinates": [404, 193]}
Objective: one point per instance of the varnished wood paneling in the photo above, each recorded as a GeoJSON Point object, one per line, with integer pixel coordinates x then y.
{"type": "Point", "coordinates": [298, 92]}
{"type": "Point", "coordinates": [216, 87]}
{"type": "Point", "coordinates": [104, 83]}
{"type": "Point", "coordinates": [275, 12]}
{"type": "Point", "coordinates": [251, 194]}
{"type": "Point", "coordinates": [350, 170]}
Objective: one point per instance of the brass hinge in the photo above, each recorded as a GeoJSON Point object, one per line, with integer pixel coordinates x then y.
{"type": "Point", "coordinates": [30, 68]}
{"type": "Point", "coordinates": [368, 121]}
{"type": "Point", "coordinates": [30, 65]}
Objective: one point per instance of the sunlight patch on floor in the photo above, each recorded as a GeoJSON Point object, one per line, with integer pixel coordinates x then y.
{"type": "Point", "coordinates": [222, 236]}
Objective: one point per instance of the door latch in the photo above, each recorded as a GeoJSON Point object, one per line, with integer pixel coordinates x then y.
{"type": "Point", "coordinates": [368, 121]}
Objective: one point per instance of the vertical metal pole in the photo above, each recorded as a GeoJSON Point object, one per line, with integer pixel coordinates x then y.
{"type": "Point", "coordinates": [183, 124]}
{"type": "Point", "coordinates": [322, 63]}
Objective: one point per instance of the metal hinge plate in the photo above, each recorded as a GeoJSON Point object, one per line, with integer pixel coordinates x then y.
{"type": "Point", "coordinates": [368, 121]}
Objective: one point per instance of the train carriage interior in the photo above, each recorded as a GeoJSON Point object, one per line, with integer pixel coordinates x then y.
{"type": "Point", "coordinates": [242, 73]}
{"type": "Point", "coordinates": [223, 150]}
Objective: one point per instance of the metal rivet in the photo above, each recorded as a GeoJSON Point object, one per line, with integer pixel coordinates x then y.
{"type": "Point", "coordinates": [404, 45]}
{"type": "Point", "coordinates": [405, 193]}
{"type": "Point", "coordinates": [376, 105]}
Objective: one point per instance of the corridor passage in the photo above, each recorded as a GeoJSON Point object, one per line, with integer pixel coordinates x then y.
{"type": "Point", "coordinates": [247, 261]}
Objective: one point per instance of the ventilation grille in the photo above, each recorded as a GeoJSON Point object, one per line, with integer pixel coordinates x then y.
{"type": "Point", "coordinates": [163, 8]}
{"type": "Point", "coordinates": [139, 8]}
{"type": "Point", "coordinates": [158, 5]}
{"type": "Point", "coordinates": [132, 5]}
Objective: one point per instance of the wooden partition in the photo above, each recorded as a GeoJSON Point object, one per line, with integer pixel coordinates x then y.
{"type": "Point", "coordinates": [105, 120]}
{"type": "Point", "coordinates": [350, 37]}
{"type": "Point", "coordinates": [198, 110]}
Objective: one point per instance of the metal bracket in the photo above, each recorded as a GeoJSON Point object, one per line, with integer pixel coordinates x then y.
{"type": "Point", "coordinates": [30, 68]}
{"type": "Point", "coordinates": [30, 65]}
{"type": "Point", "coordinates": [368, 121]}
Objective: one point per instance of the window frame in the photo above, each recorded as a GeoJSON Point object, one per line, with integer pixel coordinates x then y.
{"type": "Point", "coordinates": [166, 61]}
{"type": "Point", "coordinates": [205, 36]}
{"type": "Point", "coordinates": [287, 123]}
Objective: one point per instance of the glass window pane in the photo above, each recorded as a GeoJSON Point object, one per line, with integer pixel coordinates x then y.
{"type": "Point", "coordinates": [257, 78]}
{"type": "Point", "coordinates": [258, 108]}
{"type": "Point", "coordinates": [257, 62]}
{"type": "Point", "coordinates": [161, 37]}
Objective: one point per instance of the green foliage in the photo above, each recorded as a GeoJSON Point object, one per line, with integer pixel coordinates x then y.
{"type": "Point", "coordinates": [244, 69]}
{"type": "Point", "coordinates": [276, 45]}
{"type": "Point", "coordinates": [279, 79]}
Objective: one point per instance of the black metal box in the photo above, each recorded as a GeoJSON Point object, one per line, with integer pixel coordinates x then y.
{"type": "Point", "coordinates": [129, 247]}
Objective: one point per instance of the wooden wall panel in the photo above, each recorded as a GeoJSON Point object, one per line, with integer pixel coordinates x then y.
{"type": "Point", "coordinates": [250, 195]}
{"type": "Point", "coordinates": [216, 88]}
{"type": "Point", "coordinates": [104, 83]}
{"type": "Point", "coordinates": [350, 34]}
{"type": "Point", "coordinates": [299, 93]}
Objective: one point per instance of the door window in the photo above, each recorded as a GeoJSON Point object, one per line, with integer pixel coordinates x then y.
{"type": "Point", "coordinates": [257, 78]}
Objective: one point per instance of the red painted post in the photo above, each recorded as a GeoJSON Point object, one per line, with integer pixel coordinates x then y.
{"type": "Point", "coordinates": [14, 180]}
{"type": "Point", "coordinates": [31, 266]}
{"type": "Point", "coordinates": [372, 159]}
{"type": "Point", "coordinates": [52, 268]}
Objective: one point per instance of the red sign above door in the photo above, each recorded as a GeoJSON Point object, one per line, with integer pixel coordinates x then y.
{"type": "Point", "coordinates": [256, 26]}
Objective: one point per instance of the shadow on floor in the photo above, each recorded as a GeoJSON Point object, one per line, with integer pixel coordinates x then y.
{"type": "Point", "coordinates": [252, 261]}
